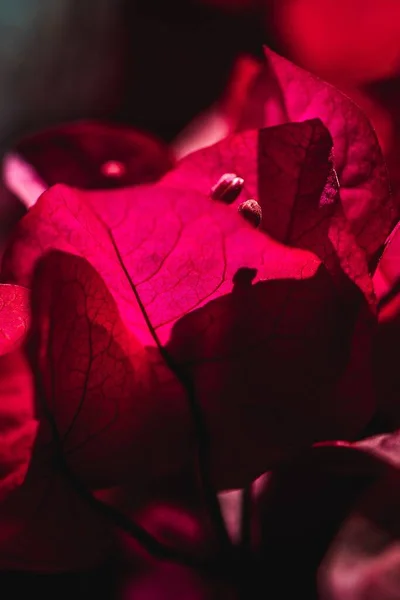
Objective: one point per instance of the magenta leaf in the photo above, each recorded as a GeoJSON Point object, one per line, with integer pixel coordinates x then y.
{"type": "Point", "coordinates": [213, 303]}
{"type": "Point", "coordinates": [280, 167]}
{"type": "Point", "coordinates": [18, 422]}
{"type": "Point", "coordinates": [100, 385]}
{"type": "Point", "coordinates": [284, 92]}
{"type": "Point", "coordinates": [18, 425]}
{"type": "Point", "coordinates": [289, 169]}
{"type": "Point", "coordinates": [14, 316]}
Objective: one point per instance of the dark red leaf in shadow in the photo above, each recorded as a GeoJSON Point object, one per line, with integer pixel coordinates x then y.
{"type": "Point", "coordinates": [18, 423]}
{"type": "Point", "coordinates": [178, 523]}
{"type": "Point", "coordinates": [173, 513]}
{"type": "Point", "coordinates": [92, 154]}
{"type": "Point", "coordinates": [113, 403]}
{"type": "Point", "coordinates": [245, 344]}
{"type": "Point", "coordinates": [170, 581]}
{"type": "Point", "coordinates": [84, 154]}
{"type": "Point", "coordinates": [258, 330]}
{"type": "Point", "coordinates": [363, 562]}
{"type": "Point", "coordinates": [333, 510]}
{"type": "Point", "coordinates": [176, 516]}
{"type": "Point", "coordinates": [44, 525]}
{"type": "Point", "coordinates": [297, 510]}
{"type": "Point", "coordinates": [284, 92]}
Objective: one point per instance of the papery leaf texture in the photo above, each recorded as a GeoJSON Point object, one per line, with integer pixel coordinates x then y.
{"type": "Point", "coordinates": [100, 384]}
{"type": "Point", "coordinates": [148, 300]}
{"type": "Point", "coordinates": [14, 316]}
{"type": "Point", "coordinates": [288, 169]}
{"type": "Point", "coordinates": [283, 92]}
{"type": "Point", "coordinates": [206, 299]}
{"type": "Point", "coordinates": [86, 154]}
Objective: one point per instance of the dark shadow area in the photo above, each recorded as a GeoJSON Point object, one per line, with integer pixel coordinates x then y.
{"type": "Point", "coordinates": [11, 211]}
{"type": "Point", "coordinates": [181, 55]}
{"type": "Point", "coordinates": [300, 511]}
{"type": "Point", "coordinates": [266, 362]}
{"type": "Point", "coordinates": [100, 583]}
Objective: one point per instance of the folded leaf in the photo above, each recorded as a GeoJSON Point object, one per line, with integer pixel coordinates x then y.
{"type": "Point", "coordinates": [289, 170]}
{"type": "Point", "coordinates": [221, 308]}
{"type": "Point", "coordinates": [100, 385]}
{"type": "Point", "coordinates": [284, 92]}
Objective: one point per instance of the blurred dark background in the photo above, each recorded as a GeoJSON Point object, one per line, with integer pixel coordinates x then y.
{"type": "Point", "coordinates": [150, 63]}
{"type": "Point", "coordinates": [155, 64]}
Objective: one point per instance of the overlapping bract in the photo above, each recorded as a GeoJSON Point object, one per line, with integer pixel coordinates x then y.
{"type": "Point", "coordinates": [143, 296]}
